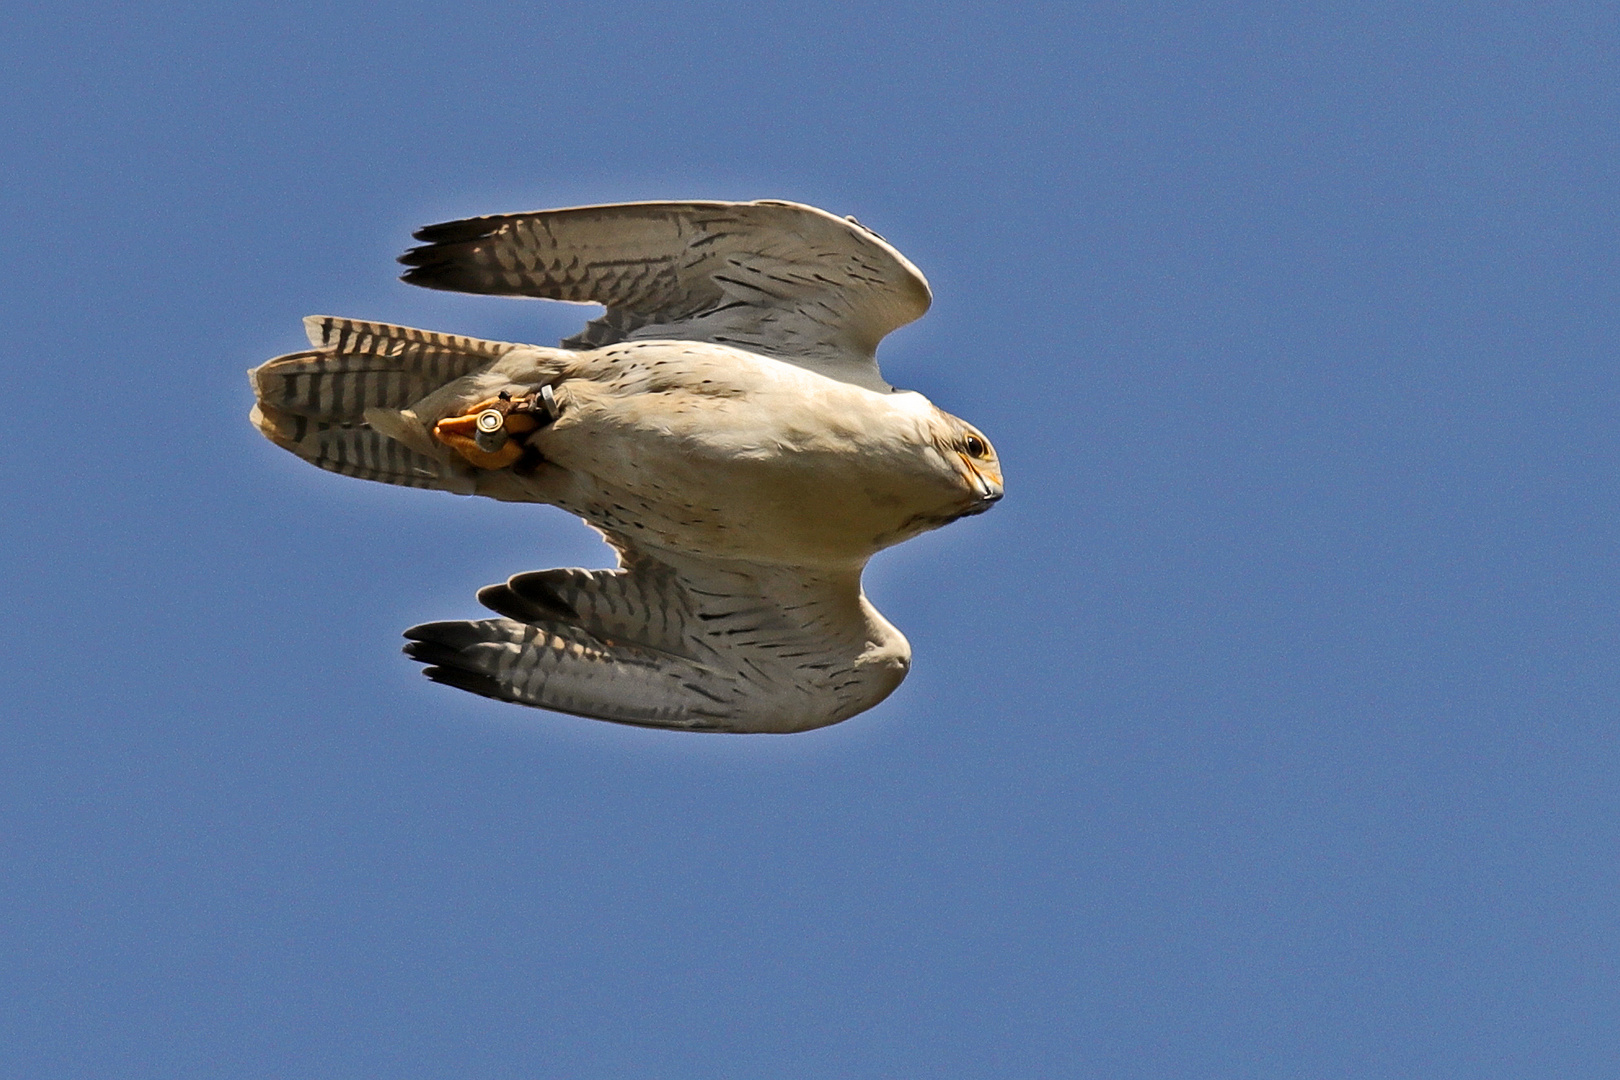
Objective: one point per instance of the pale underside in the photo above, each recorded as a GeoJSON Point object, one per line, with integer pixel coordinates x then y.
{"type": "Point", "coordinates": [723, 424]}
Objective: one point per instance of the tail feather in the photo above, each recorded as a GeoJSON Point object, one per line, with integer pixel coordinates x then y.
{"type": "Point", "coordinates": [315, 403]}
{"type": "Point", "coordinates": [359, 365]}
{"type": "Point", "coordinates": [353, 450]}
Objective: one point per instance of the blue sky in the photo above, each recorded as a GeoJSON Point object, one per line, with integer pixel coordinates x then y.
{"type": "Point", "coordinates": [1266, 729]}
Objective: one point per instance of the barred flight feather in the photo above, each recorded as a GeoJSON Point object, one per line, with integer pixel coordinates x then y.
{"type": "Point", "coordinates": [686, 643]}
{"type": "Point", "coordinates": [314, 402]}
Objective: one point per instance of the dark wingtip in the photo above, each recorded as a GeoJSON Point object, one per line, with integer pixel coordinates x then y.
{"type": "Point", "coordinates": [441, 647]}
{"type": "Point", "coordinates": [528, 598]}
{"type": "Point", "coordinates": [441, 631]}
{"type": "Point", "coordinates": [432, 652]}
{"type": "Point", "coordinates": [429, 268]}
{"type": "Point", "coordinates": [536, 588]}
{"type": "Point", "coordinates": [437, 263]}
{"type": "Point", "coordinates": [473, 228]}
{"type": "Point", "coordinates": [417, 276]}
{"type": "Point", "coordinates": [446, 231]}
{"type": "Point", "coordinates": [471, 681]}
{"type": "Point", "coordinates": [502, 601]}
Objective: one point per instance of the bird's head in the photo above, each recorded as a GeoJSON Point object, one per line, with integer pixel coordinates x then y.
{"type": "Point", "coordinates": [969, 453]}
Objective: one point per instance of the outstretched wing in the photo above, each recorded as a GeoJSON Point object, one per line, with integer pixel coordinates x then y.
{"type": "Point", "coordinates": [675, 642]}
{"type": "Point", "coordinates": [779, 278]}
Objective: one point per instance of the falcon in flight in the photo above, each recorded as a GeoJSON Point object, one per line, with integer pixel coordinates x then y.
{"type": "Point", "coordinates": [723, 424]}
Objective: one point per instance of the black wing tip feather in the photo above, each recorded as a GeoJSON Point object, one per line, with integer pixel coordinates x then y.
{"type": "Point", "coordinates": [438, 262]}
{"type": "Point", "coordinates": [462, 229]}
{"type": "Point", "coordinates": [426, 257]}
{"type": "Point", "coordinates": [431, 652]}
{"type": "Point", "coordinates": [415, 258]}
{"type": "Point", "coordinates": [533, 588]}
{"type": "Point", "coordinates": [436, 276]}
{"type": "Point", "coordinates": [448, 268]}
{"type": "Point", "coordinates": [441, 646]}
{"type": "Point", "coordinates": [427, 264]}
{"type": "Point", "coordinates": [471, 681]}
{"type": "Point", "coordinates": [503, 600]}
{"type": "Point", "coordinates": [456, 634]}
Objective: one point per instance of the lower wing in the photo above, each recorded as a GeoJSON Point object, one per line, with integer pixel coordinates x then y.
{"type": "Point", "coordinates": [675, 642]}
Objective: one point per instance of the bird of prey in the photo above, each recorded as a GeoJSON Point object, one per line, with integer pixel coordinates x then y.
{"type": "Point", "coordinates": [723, 425]}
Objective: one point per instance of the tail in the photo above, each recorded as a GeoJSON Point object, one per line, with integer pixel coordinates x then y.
{"type": "Point", "coordinates": [337, 405]}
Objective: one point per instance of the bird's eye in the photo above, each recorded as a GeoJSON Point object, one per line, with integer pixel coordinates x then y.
{"type": "Point", "coordinates": [975, 446]}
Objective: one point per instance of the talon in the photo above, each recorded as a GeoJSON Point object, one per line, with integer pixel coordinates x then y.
{"type": "Point", "coordinates": [465, 426]}
{"type": "Point", "coordinates": [487, 433]}
{"type": "Point", "coordinates": [480, 435]}
{"type": "Point", "coordinates": [469, 449]}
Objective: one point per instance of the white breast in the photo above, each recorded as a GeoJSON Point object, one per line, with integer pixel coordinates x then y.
{"type": "Point", "coordinates": [715, 450]}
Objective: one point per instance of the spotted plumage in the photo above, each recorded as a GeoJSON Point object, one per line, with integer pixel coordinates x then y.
{"type": "Point", "coordinates": [723, 424]}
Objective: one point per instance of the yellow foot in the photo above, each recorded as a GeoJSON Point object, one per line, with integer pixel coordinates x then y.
{"type": "Point", "coordinates": [483, 435]}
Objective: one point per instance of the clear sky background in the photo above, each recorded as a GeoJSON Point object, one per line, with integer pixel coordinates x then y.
{"type": "Point", "coordinates": [1267, 729]}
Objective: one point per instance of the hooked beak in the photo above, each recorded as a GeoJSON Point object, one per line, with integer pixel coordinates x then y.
{"type": "Point", "coordinates": [986, 485]}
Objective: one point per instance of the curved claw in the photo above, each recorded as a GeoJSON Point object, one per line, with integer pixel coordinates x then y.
{"type": "Point", "coordinates": [506, 456]}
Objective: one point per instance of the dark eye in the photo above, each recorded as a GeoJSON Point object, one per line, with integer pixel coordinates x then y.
{"type": "Point", "coordinates": [975, 446]}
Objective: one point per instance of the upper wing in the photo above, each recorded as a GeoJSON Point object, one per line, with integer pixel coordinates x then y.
{"type": "Point", "coordinates": [780, 278]}
{"type": "Point", "coordinates": [675, 642]}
